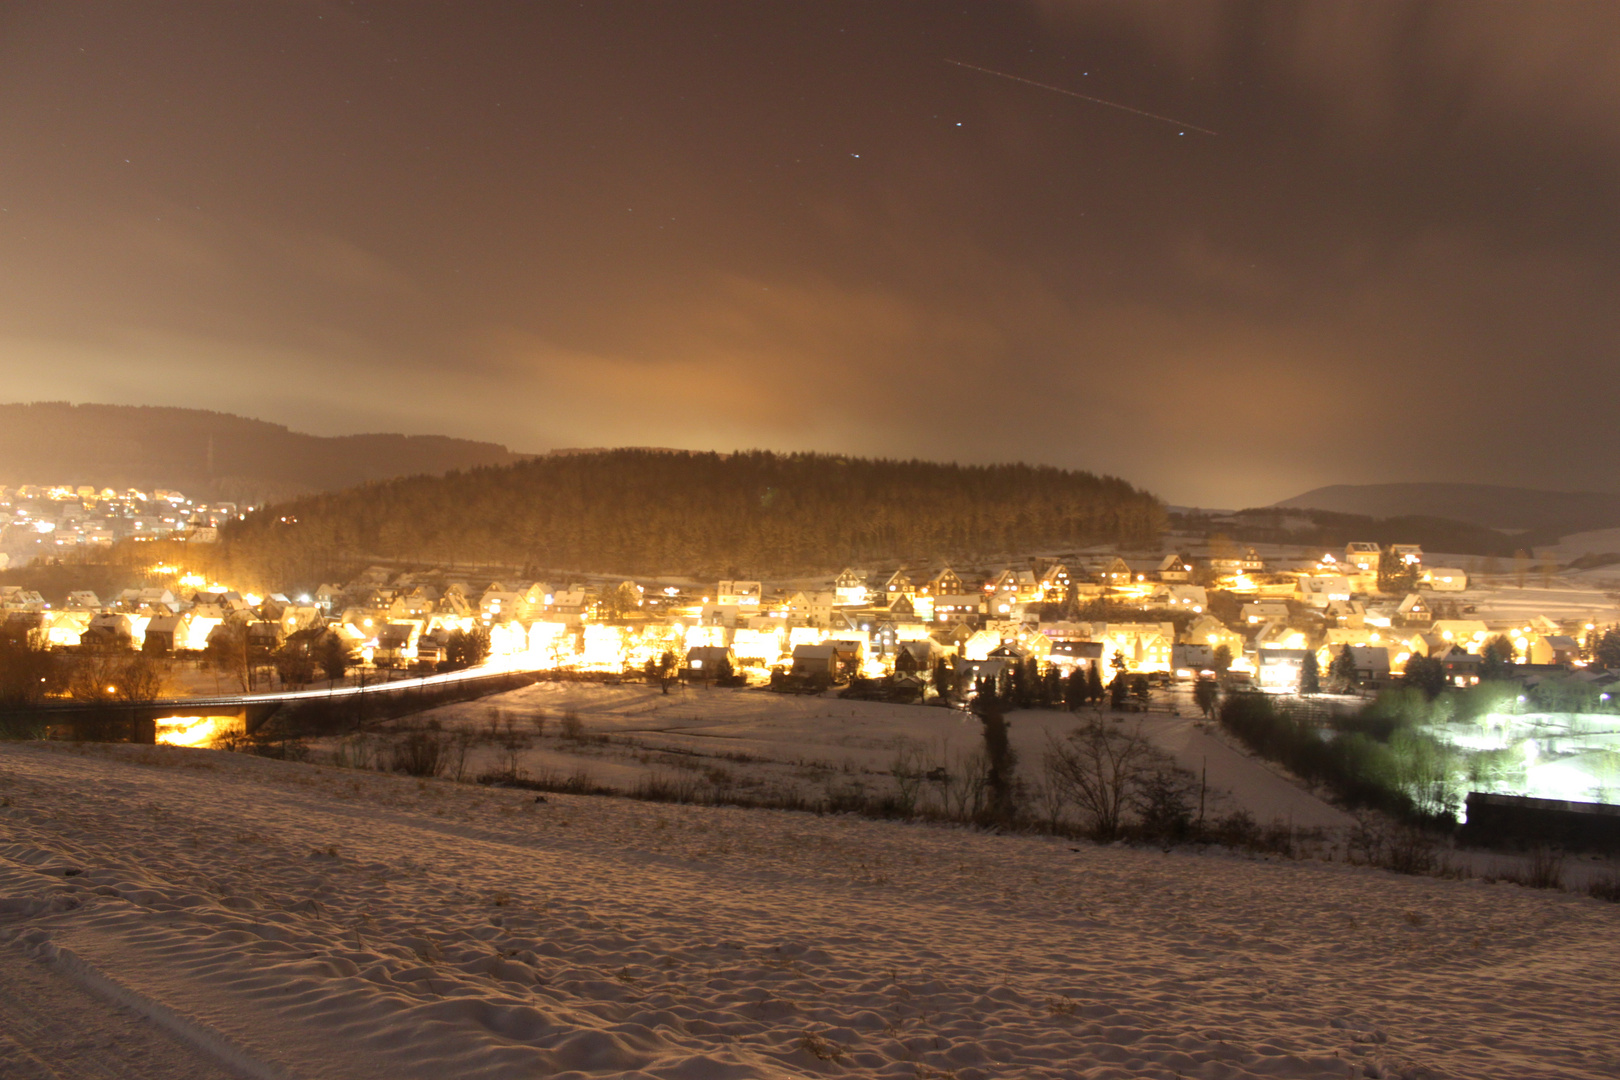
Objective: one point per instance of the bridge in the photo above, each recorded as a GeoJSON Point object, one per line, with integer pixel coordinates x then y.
{"type": "Point", "coordinates": [193, 721]}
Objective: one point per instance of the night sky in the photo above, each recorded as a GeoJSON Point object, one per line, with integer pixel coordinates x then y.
{"type": "Point", "coordinates": [800, 227]}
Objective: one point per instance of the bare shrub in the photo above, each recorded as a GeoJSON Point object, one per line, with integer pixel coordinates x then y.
{"type": "Point", "coordinates": [420, 752]}
{"type": "Point", "coordinates": [358, 751]}
{"type": "Point", "coordinates": [572, 729]}
{"type": "Point", "coordinates": [1606, 887]}
{"type": "Point", "coordinates": [1410, 852]}
{"type": "Point", "coordinates": [1546, 871]}
{"type": "Point", "coordinates": [909, 769]}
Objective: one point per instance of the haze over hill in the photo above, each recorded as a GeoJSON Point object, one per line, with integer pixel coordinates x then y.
{"type": "Point", "coordinates": [1545, 515]}
{"type": "Point", "coordinates": [211, 454]}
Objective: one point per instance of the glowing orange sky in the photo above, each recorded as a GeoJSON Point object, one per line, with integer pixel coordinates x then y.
{"type": "Point", "coordinates": [797, 226]}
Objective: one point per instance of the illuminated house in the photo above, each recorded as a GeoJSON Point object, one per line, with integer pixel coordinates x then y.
{"type": "Point", "coordinates": [83, 600]}
{"type": "Point", "coordinates": [981, 644]}
{"type": "Point", "coordinates": [1322, 590]}
{"type": "Point", "coordinates": [1110, 570]}
{"type": "Point", "coordinates": [1277, 635]}
{"type": "Point", "coordinates": [1145, 646]}
{"type": "Point", "coordinates": [1068, 655]}
{"type": "Point", "coordinates": [167, 635]}
{"type": "Point", "coordinates": [704, 661]}
{"type": "Point", "coordinates": [957, 608]}
{"type": "Point", "coordinates": [1015, 586]}
{"type": "Point", "coordinates": [743, 594]}
{"type": "Point", "coordinates": [1408, 554]}
{"type": "Point", "coordinates": [898, 585]}
{"type": "Point", "coordinates": [1414, 609]}
{"type": "Point", "coordinates": [1362, 554]}
{"type": "Point", "coordinates": [107, 631]}
{"type": "Point", "coordinates": [1263, 611]}
{"type": "Point", "coordinates": [1054, 582]}
{"type": "Point", "coordinates": [1188, 661]}
{"type": "Point", "coordinates": [1372, 665]}
{"type": "Point", "coordinates": [61, 628]}
{"type": "Point", "coordinates": [1208, 630]}
{"type": "Point", "coordinates": [17, 598]}
{"type": "Point", "coordinates": [1176, 567]}
{"type": "Point", "coordinates": [397, 642]}
{"type": "Point", "coordinates": [1444, 579]}
{"type": "Point", "coordinates": [1279, 670]}
{"type": "Point", "coordinates": [1347, 613]}
{"type": "Point", "coordinates": [944, 583]}
{"type": "Point", "coordinates": [1187, 597]}
{"type": "Point", "coordinates": [829, 658]}
{"type": "Point", "coordinates": [812, 608]}
{"type": "Point", "coordinates": [849, 588]}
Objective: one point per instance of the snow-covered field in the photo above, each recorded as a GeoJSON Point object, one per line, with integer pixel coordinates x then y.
{"type": "Point", "coordinates": [287, 920]}
{"type": "Point", "coordinates": [759, 739]}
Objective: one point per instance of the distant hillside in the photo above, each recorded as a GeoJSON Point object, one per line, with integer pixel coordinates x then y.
{"type": "Point", "coordinates": [651, 512]}
{"type": "Point", "coordinates": [1545, 514]}
{"type": "Point", "coordinates": [214, 455]}
{"type": "Point", "coordinates": [1331, 531]}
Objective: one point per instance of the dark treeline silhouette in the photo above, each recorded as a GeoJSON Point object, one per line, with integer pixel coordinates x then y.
{"type": "Point", "coordinates": [653, 512]}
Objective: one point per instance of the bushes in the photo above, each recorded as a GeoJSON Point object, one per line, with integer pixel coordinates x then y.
{"type": "Point", "coordinates": [1357, 770]}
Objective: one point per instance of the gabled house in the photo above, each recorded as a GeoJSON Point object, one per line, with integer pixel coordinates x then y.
{"type": "Point", "coordinates": [1175, 568]}
{"type": "Point", "coordinates": [1071, 654]}
{"type": "Point", "coordinates": [810, 608]}
{"type": "Point", "coordinates": [945, 583]}
{"type": "Point", "coordinates": [1347, 613]}
{"type": "Point", "coordinates": [830, 659]}
{"type": "Point", "coordinates": [1054, 583]}
{"type": "Point", "coordinates": [1186, 597]}
{"type": "Point", "coordinates": [167, 635]}
{"type": "Point", "coordinates": [898, 585]}
{"type": "Point", "coordinates": [109, 631]}
{"type": "Point", "coordinates": [849, 588]}
{"type": "Point", "coordinates": [1414, 609]}
{"type": "Point", "coordinates": [1109, 570]}
{"type": "Point", "coordinates": [1210, 631]}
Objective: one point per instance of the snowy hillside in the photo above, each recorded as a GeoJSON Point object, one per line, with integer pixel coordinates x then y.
{"type": "Point", "coordinates": [298, 921]}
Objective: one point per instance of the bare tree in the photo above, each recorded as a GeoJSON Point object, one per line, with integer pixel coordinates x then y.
{"type": "Point", "coordinates": [143, 679]}
{"type": "Point", "coordinates": [1100, 768]}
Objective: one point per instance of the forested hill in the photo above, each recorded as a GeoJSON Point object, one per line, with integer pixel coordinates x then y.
{"type": "Point", "coordinates": [210, 455]}
{"type": "Point", "coordinates": [659, 512]}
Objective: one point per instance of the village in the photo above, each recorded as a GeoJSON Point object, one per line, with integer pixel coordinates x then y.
{"type": "Point", "coordinates": [46, 521]}
{"type": "Point", "coordinates": [1278, 620]}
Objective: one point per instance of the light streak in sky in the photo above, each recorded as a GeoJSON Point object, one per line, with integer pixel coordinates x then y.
{"type": "Point", "coordinates": [1082, 97]}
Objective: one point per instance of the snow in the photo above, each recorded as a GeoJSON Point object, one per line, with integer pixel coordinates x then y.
{"type": "Point", "coordinates": [304, 921]}
{"type": "Point", "coordinates": [783, 734]}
